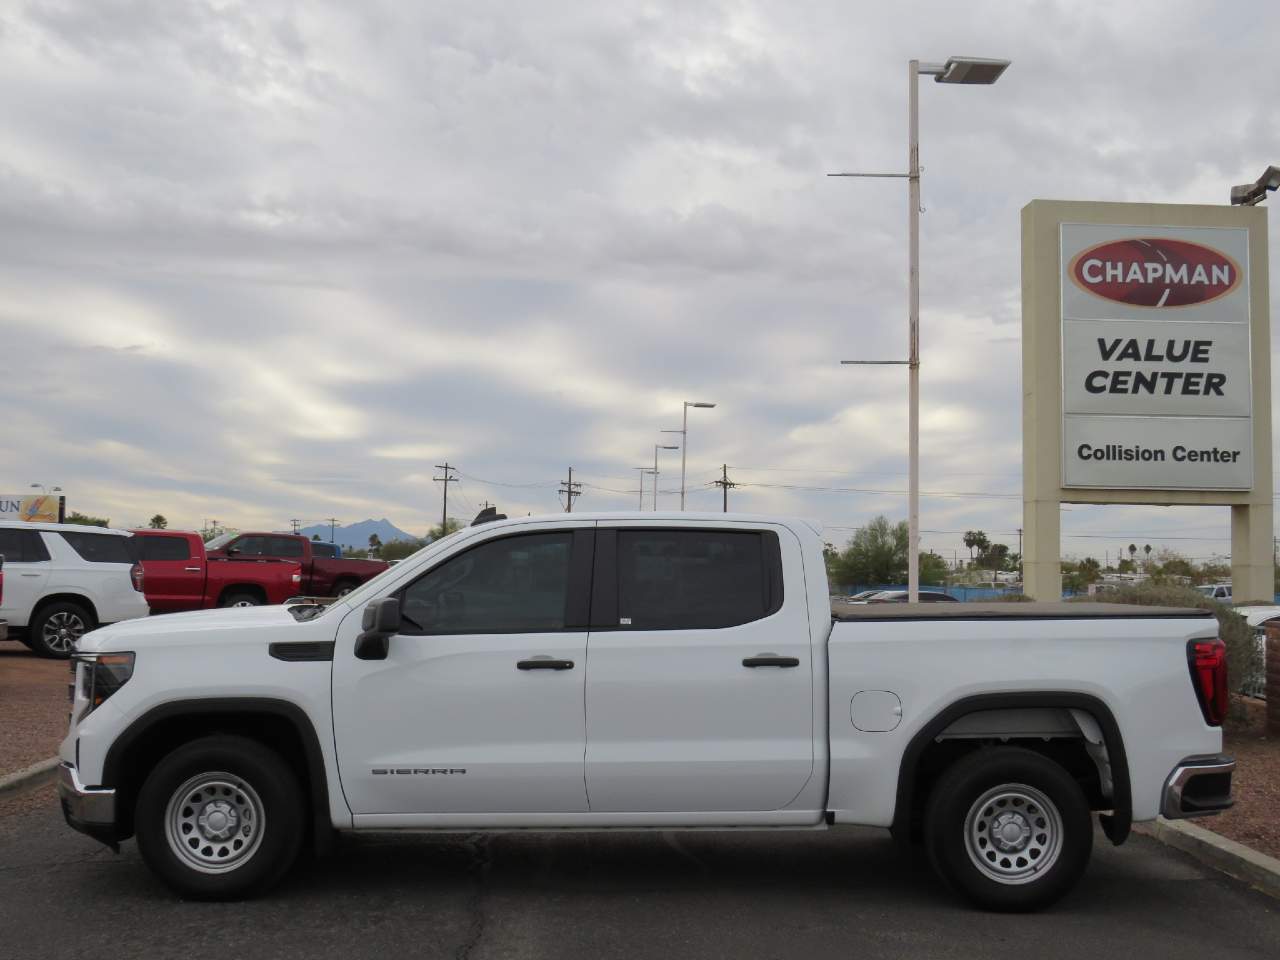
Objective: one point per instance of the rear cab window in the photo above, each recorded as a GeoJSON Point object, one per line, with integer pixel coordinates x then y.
{"type": "Point", "coordinates": [688, 579]}
{"type": "Point", "coordinates": [164, 548]}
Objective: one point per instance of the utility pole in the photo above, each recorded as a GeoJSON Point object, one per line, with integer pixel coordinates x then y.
{"type": "Point", "coordinates": [570, 490]}
{"type": "Point", "coordinates": [444, 504]}
{"type": "Point", "coordinates": [333, 522]}
{"type": "Point", "coordinates": [724, 483]}
{"type": "Point", "coordinates": [643, 471]}
{"type": "Point", "coordinates": [294, 523]}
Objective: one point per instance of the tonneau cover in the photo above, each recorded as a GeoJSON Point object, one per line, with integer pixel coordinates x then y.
{"type": "Point", "coordinates": [1007, 611]}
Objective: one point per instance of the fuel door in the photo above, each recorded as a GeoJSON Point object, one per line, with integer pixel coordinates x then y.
{"type": "Point", "coordinates": [875, 711]}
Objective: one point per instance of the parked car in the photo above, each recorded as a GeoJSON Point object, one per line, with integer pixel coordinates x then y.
{"type": "Point", "coordinates": [63, 580]}
{"type": "Point", "coordinates": [325, 572]}
{"type": "Point", "coordinates": [1258, 616]}
{"type": "Point", "coordinates": [861, 597]}
{"type": "Point", "coordinates": [1216, 591]}
{"type": "Point", "coordinates": [642, 671]}
{"type": "Point", "coordinates": [181, 577]}
{"type": "Point", "coordinates": [900, 596]}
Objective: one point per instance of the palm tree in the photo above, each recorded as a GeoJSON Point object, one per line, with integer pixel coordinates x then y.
{"type": "Point", "coordinates": [158, 522]}
{"type": "Point", "coordinates": [1133, 551]}
{"type": "Point", "coordinates": [375, 544]}
{"type": "Point", "coordinates": [1147, 551]}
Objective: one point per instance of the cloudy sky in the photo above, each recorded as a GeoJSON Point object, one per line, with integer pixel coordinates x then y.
{"type": "Point", "coordinates": [262, 261]}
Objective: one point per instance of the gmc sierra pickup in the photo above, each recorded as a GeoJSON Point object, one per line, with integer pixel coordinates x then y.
{"type": "Point", "coordinates": [640, 671]}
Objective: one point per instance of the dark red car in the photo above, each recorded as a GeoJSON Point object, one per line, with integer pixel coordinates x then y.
{"type": "Point", "coordinates": [180, 575]}
{"type": "Point", "coordinates": [325, 572]}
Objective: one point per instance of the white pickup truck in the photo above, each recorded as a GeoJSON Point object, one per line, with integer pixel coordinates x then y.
{"type": "Point", "coordinates": [642, 671]}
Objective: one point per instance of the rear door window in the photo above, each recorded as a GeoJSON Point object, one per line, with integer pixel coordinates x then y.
{"type": "Point", "coordinates": [22, 546]}
{"type": "Point", "coordinates": [165, 548]}
{"type": "Point", "coordinates": [285, 547]}
{"type": "Point", "coordinates": [696, 579]}
{"type": "Point", "coordinates": [250, 547]}
{"type": "Point", "coordinates": [101, 547]}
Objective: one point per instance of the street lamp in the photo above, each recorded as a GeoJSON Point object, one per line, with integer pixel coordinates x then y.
{"type": "Point", "coordinates": [44, 491]}
{"type": "Point", "coordinates": [967, 70]}
{"type": "Point", "coordinates": [684, 440]}
{"type": "Point", "coordinates": [643, 471]}
{"type": "Point", "coordinates": [1251, 194]}
{"type": "Point", "coordinates": [656, 448]}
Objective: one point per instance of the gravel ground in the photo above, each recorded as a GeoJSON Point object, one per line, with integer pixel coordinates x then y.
{"type": "Point", "coordinates": [1255, 819]}
{"type": "Point", "coordinates": [33, 706]}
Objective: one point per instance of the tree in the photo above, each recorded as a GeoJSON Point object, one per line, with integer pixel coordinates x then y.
{"type": "Point", "coordinates": [451, 526]}
{"type": "Point", "coordinates": [994, 556]}
{"type": "Point", "coordinates": [315, 538]}
{"type": "Point", "coordinates": [85, 520]}
{"type": "Point", "coordinates": [158, 522]}
{"type": "Point", "coordinates": [375, 544]}
{"type": "Point", "coordinates": [399, 549]}
{"type": "Point", "coordinates": [1147, 551]}
{"type": "Point", "coordinates": [975, 538]}
{"type": "Point", "coordinates": [933, 569]}
{"type": "Point", "coordinates": [1133, 550]}
{"type": "Point", "coordinates": [876, 554]}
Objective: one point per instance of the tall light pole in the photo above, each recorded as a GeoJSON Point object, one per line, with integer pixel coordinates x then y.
{"type": "Point", "coordinates": [643, 471]}
{"type": "Point", "coordinates": [956, 70]}
{"type": "Point", "coordinates": [684, 440]}
{"type": "Point", "coordinates": [656, 448]}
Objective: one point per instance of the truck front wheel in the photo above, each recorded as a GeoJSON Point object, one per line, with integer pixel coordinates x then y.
{"type": "Point", "coordinates": [1009, 829]}
{"type": "Point", "coordinates": [220, 818]}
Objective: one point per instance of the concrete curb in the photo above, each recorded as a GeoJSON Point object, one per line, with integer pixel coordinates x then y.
{"type": "Point", "coordinates": [1227, 856]}
{"type": "Point", "coordinates": [36, 775]}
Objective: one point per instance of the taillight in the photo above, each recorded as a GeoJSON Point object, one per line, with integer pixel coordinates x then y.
{"type": "Point", "coordinates": [1208, 662]}
{"type": "Point", "coordinates": [136, 574]}
{"type": "Point", "coordinates": [297, 577]}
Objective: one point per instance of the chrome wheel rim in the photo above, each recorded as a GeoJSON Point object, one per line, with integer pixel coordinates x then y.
{"type": "Point", "coordinates": [62, 630]}
{"type": "Point", "coordinates": [244, 603]}
{"type": "Point", "coordinates": [214, 822]}
{"type": "Point", "coordinates": [1013, 834]}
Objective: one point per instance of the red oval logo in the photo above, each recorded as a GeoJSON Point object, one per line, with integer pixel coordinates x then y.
{"type": "Point", "coordinates": [1155, 272]}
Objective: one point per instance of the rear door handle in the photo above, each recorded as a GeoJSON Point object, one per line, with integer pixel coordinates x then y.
{"type": "Point", "coordinates": [191, 569]}
{"type": "Point", "coordinates": [544, 663]}
{"type": "Point", "coordinates": [770, 660]}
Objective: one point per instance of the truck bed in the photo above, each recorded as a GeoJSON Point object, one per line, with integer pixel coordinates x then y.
{"type": "Point", "coordinates": [846, 612]}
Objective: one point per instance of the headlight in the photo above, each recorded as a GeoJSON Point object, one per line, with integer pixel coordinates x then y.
{"type": "Point", "coordinates": [99, 675]}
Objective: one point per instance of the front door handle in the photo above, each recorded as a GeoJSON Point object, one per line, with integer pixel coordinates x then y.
{"type": "Point", "coordinates": [770, 660]}
{"type": "Point", "coordinates": [544, 663]}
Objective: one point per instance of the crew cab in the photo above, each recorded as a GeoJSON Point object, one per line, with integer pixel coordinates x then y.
{"type": "Point", "coordinates": [325, 572]}
{"type": "Point", "coordinates": [643, 671]}
{"type": "Point", "coordinates": [62, 580]}
{"type": "Point", "coordinates": [180, 576]}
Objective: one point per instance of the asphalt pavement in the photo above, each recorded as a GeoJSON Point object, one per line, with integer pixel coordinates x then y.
{"type": "Point", "coordinates": [847, 894]}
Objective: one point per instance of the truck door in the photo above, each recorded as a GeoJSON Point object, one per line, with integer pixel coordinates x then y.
{"type": "Point", "coordinates": [477, 708]}
{"type": "Point", "coordinates": [174, 579]}
{"type": "Point", "coordinates": [26, 568]}
{"type": "Point", "coordinates": [699, 684]}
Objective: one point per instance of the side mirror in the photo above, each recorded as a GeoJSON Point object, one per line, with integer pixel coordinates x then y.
{"type": "Point", "coordinates": [379, 623]}
{"type": "Point", "coordinates": [232, 551]}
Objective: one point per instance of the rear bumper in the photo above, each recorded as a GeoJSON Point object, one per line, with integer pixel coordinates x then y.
{"type": "Point", "coordinates": [91, 810]}
{"type": "Point", "coordinates": [4, 629]}
{"type": "Point", "coordinates": [1198, 787]}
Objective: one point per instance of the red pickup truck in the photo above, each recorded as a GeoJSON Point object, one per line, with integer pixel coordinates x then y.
{"type": "Point", "coordinates": [180, 575]}
{"type": "Point", "coordinates": [325, 572]}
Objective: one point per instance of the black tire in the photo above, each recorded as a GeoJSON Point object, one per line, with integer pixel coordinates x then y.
{"type": "Point", "coordinates": [242, 598]}
{"type": "Point", "coordinates": [343, 587]}
{"type": "Point", "coordinates": [54, 629]}
{"type": "Point", "coordinates": [1030, 796]}
{"type": "Point", "coordinates": [238, 774]}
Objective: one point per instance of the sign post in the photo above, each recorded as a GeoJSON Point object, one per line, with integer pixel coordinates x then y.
{"type": "Point", "coordinates": [1146, 372]}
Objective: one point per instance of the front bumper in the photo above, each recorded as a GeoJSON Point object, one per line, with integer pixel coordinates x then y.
{"type": "Point", "coordinates": [91, 810]}
{"type": "Point", "coordinates": [1198, 787]}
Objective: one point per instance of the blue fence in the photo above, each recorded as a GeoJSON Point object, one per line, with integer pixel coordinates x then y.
{"type": "Point", "coordinates": [959, 592]}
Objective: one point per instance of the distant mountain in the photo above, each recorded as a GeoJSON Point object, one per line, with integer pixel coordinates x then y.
{"type": "Point", "coordinates": [357, 534]}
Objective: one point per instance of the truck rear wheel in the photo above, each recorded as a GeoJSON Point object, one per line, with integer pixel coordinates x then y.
{"type": "Point", "coordinates": [220, 818]}
{"type": "Point", "coordinates": [242, 598]}
{"type": "Point", "coordinates": [1009, 829]}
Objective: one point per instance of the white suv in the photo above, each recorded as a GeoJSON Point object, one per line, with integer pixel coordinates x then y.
{"type": "Point", "coordinates": [61, 580]}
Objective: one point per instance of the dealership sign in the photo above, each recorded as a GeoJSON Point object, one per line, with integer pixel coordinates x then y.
{"type": "Point", "coordinates": [1156, 382]}
{"type": "Point", "coordinates": [20, 506]}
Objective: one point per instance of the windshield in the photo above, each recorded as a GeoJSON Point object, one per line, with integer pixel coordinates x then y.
{"type": "Point", "coordinates": [217, 543]}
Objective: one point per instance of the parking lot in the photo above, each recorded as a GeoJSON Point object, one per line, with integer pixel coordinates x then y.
{"type": "Point", "coordinates": [847, 894]}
